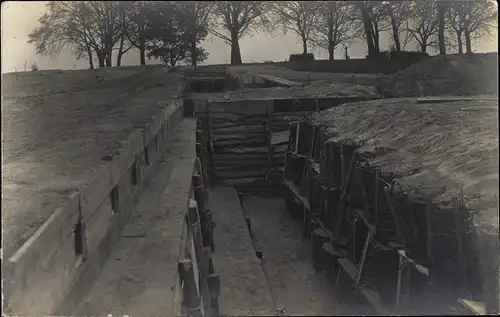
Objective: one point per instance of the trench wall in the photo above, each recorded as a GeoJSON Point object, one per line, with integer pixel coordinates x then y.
{"type": "Point", "coordinates": [69, 249]}
{"type": "Point", "coordinates": [364, 227]}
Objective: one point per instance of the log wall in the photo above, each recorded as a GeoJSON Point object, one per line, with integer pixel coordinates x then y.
{"type": "Point", "coordinates": [245, 141]}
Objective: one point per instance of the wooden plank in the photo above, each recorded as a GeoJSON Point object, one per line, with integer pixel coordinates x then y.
{"type": "Point", "coordinates": [269, 139]}
{"type": "Point", "coordinates": [296, 193]}
{"type": "Point", "coordinates": [475, 307]}
{"type": "Point", "coordinates": [419, 267]}
{"type": "Point", "coordinates": [429, 218]}
{"type": "Point", "coordinates": [461, 254]}
{"type": "Point", "coordinates": [455, 99]}
{"type": "Point", "coordinates": [279, 81]}
{"type": "Point", "coordinates": [235, 259]}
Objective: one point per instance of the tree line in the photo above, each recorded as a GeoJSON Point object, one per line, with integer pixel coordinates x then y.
{"type": "Point", "coordinates": [172, 31]}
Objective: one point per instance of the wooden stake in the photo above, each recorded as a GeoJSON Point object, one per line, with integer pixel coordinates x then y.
{"type": "Point", "coordinates": [377, 184]}
{"type": "Point", "coordinates": [429, 218]}
{"type": "Point", "coordinates": [400, 279]}
{"type": "Point", "coordinates": [297, 138]}
{"type": "Point", "coordinates": [363, 257]}
{"type": "Point", "coordinates": [269, 141]}
{"type": "Point", "coordinates": [459, 231]}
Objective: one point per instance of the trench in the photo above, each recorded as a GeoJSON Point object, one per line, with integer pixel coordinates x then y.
{"type": "Point", "coordinates": [265, 150]}
{"type": "Point", "coordinates": [286, 256]}
{"type": "Point", "coordinates": [244, 144]}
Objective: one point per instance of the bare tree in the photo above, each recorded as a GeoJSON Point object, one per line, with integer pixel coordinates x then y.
{"type": "Point", "coordinates": [237, 19]}
{"type": "Point", "coordinates": [135, 32]}
{"type": "Point", "coordinates": [442, 8]}
{"type": "Point", "coordinates": [477, 18]}
{"type": "Point", "coordinates": [424, 23]}
{"type": "Point", "coordinates": [124, 22]}
{"type": "Point", "coordinates": [194, 17]}
{"type": "Point", "coordinates": [334, 26]}
{"type": "Point", "coordinates": [373, 16]}
{"type": "Point", "coordinates": [298, 17]}
{"type": "Point", "coordinates": [455, 24]}
{"type": "Point", "coordinates": [397, 13]}
{"type": "Point", "coordinates": [63, 26]}
{"type": "Point", "coordinates": [105, 28]}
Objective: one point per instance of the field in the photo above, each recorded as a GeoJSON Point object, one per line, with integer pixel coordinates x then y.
{"type": "Point", "coordinates": [56, 128]}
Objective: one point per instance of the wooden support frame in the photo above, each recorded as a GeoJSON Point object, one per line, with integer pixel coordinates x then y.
{"type": "Point", "coordinates": [359, 270]}
{"type": "Point", "coordinates": [456, 209]}
{"type": "Point", "coordinates": [429, 215]}
{"type": "Point", "coordinates": [270, 109]}
{"type": "Point", "coordinates": [210, 134]}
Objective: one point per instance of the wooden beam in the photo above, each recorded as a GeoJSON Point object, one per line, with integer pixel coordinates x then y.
{"type": "Point", "coordinates": [279, 81]}
{"type": "Point", "coordinates": [296, 193]}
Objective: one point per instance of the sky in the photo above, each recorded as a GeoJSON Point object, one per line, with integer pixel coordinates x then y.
{"type": "Point", "coordinates": [19, 18]}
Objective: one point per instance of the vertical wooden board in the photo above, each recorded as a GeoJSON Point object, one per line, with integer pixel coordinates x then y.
{"type": "Point", "coordinates": [429, 217]}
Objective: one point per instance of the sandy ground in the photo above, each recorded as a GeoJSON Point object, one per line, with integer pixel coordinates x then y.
{"type": "Point", "coordinates": [287, 260]}
{"type": "Point", "coordinates": [56, 127]}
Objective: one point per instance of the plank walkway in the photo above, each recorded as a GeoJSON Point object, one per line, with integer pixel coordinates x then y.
{"type": "Point", "coordinates": [244, 289]}
{"type": "Point", "coordinates": [140, 277]}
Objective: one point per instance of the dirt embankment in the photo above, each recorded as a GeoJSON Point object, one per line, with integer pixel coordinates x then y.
{"type": "Point", "coordinates": [460, 75]}
{"type": "Point", "coordinates": [433, 148]}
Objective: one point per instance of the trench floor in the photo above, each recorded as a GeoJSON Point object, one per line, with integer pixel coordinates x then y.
{"type": "Point", "coordinates": [287, 261]}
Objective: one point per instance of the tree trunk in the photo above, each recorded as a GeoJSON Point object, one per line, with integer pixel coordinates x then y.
{"type": "Point", "coordinates": [460, 43]}
{"type": "Point", "coordinates": [468, 42]}
{"type": "Point", "coordinates": [395, 32]}
{"type": "Point", "coordinates": [376, 37]}
{"type": "Point", "coordinates": [441, 25]}
{"type": "Point", "coordinates": [331, 53]}
{"type": "Point", "coordinates": [142, 51]}
{"type": "Point", "coordinates": [120, 52]}
{"type": "Point", "coordinates": [119, 59]}
{"type": "Point", "coordinates": [331, 46]}
{"type": "Point", "coordinates": [368, 30]}
{"type": "Point", "coordinates": [100, 56]}
{"type": "Point", "coordinates": [235, 49]}
{"type": "Point", "coordinates": [304, 45]}
{"type": "Point", "coordinates": [91, 61]}
{"type": "Point", "coordinates": [193, 54]}
{"type": "Point", "coordinates": [423, 47]}
{"type": "Point", "coordinates": [109, 56]}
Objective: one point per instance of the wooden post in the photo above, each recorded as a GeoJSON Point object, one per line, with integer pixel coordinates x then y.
{"type": "Point", "coordinates": [429, 218]}
{"type": "Point", "coordinates": [459, 231]}
{"type": "Point", "coordinates": [363, 257]}
{"type": "Point", "coordinates": [342, 165]}
{"type": "Point", "coordinates": [375, 207]}
{"type": "Point", "coordinates": [297, 134]}
{"type": "Point", "coordinates": [269, 143]}
{"type": "Point", "coordinates": [400, 280]}
{"type": "Point", "coordinates": [191, 297]}
{"type": "Point", "coordinates": [210, 136]}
